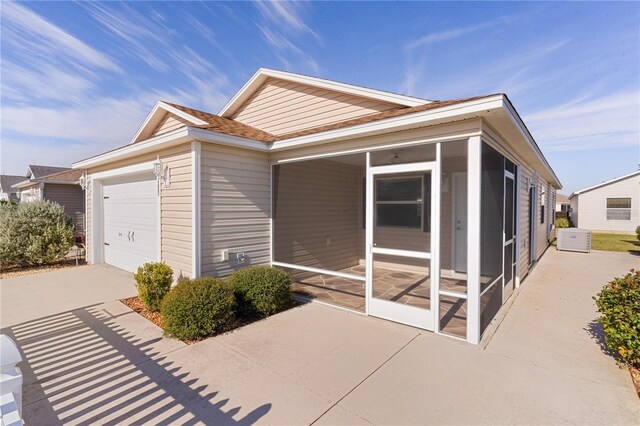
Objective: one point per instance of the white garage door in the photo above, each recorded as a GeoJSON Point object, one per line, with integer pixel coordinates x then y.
{"type": "Point", "coordinates": [130, 222]}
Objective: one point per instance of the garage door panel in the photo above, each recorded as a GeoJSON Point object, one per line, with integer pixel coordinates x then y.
{"type": "Point", "coordinates": [130, 209]}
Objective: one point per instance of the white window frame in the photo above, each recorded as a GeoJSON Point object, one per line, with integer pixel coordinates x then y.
{"type": "Point", "coordinates": [621, 209]}
{"type": "Point", "coordinates": [420, 201]}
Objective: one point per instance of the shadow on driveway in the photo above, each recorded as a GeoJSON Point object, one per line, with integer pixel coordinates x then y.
{"type": "Point", "coordinates": [83, 367]}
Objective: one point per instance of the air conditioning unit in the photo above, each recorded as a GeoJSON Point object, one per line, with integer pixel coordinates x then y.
{"type": "Point", "coordinates": [574, 239]}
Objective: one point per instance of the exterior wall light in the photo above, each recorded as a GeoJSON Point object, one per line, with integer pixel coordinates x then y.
{"type": "Point", "coordinates": [161, 171]}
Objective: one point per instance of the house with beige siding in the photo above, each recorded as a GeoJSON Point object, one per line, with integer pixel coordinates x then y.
{"type": "Point", "coordinates": [611, 206]}
{"type": "Point", "coordinates": [58, 184]}
{"type": "Point", "coordinates": [429, 213]}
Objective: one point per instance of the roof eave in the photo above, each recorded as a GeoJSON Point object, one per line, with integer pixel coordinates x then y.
{"type": "Point", "coordinates": [264, 73]}
{"type": "Point", "coordinates": [176, 137]}
{"type": "Point", "coordinates": [609, 182]}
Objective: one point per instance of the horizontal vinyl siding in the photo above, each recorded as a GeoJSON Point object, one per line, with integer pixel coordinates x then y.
{"type": "Point", "coordinates": [235, 199]}
{"type": "Point", "coordinates": [525, 176]}
{"type": "Point", "coordinates": [281, 107]}
{"type": "Point", "coordinates": [169, 123]}
{"type": "Point", "coordinates": [175, 206]}
{"type": "Point", "coordinates": [542, 241]}
{"type": "Point", "coordinates": [593, 206]}
{"type": "Point", "coordinates": [71, 198]}
{"type": "Point", "coordinates": [317, 216]}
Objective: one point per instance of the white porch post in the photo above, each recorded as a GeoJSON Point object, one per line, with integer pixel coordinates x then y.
{"type": "Point", "coordinates": [196, 153]}
{"type": "Point", "coordinates": [368, 234]}
{"type": "Point", "coordinates": [473, 239]}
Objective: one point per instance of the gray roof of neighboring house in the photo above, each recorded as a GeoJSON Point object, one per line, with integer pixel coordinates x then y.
{"type": "Point", "coordinates": [40, 171]}
{"type": "Point", "coordinates": [7, 181]}
{"type": "Point", "coordinates": [561, 198]}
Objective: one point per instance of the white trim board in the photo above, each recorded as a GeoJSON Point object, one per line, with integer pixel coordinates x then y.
{"type": "Point", "coordinates": [609, 182]}
{"type": "Point", "coordinates": [155, 116]}
{"type": "Point", "coordinates": [263, 74]}
{"type": "Point", "coordinates": [196, 153]}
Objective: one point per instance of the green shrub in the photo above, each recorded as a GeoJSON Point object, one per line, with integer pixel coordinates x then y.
{"type": "Point", "coordinates": [153, 281]}
{"type": "Point", "coordinates": [261, 290]}
{"type": "Point", "coordinates": [562, 222]}
{"type": "Point", "coordinates": [34, 233]}
{"type": "Point", "coordinates": [619, 304]}
{"type": "Point", "coordinates": [638, 232]}
{"type": "Point", "coordinates": [198, 308]}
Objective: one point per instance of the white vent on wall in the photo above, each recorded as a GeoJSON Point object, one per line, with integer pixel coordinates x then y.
{"type": "Point", "coordinates": [574, 239]}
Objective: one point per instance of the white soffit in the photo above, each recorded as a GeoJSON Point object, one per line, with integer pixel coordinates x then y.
{"type": "Point", "coordinates": [263, 74]}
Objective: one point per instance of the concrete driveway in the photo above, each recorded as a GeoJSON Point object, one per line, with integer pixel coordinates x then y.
{"type": "Point", "coordinates": [102, 363]}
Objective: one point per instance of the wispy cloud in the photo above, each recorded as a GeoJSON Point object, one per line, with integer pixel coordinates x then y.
{"type": "Point", "coordinates": [56, 89]}
{"type": "Point", "coordinates": [605, 122]}
{"type": "Point", "coordinates": [29, 32]}
{"type": "Point", "coordinates": [280, 27]}
{"type": "Point", "coordinates": [455, 33]}
{"type": "Point", "coordinates": [287, 14]}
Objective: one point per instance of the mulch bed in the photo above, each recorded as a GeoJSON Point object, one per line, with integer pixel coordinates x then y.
{"type": "Point", "coordinates": [16, 271]}
{"type": "Point", "coordinates": [635, 376]}
{"type": "Point", "coordinates": [137, 306]}
{"type": "Point", "coordinates": [155, 317]}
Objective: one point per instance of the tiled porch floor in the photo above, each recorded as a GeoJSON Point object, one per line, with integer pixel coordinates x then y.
{"type": "Point", "coordinates": [410, 288]}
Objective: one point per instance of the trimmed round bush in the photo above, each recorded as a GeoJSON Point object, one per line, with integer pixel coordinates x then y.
{"type": "Point", "coordinates": [198, 308]}
{"type": "Point", "coordinates": [153, 281]}
{"type": "Point", "coordinates": [34, 233]}
{"type": "Point", "coordinates": [261, 290]}
{"type": "Point", "coordinates": [619, 304]}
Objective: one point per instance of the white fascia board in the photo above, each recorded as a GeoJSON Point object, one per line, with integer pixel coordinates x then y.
{"type": "Point", "coordinates": [263, 73]}
{"type": "Point", "coordinates": [517, 121]}
{"type": "Point", "coordinates": [190, 118]}
{"type": "Point", "coordinates": [392, 124]}
{"type": "Point", "coordinates": [243, 94]}
{"type": "Point", "coordinates": [24, 184]}
{"type": "Point", "coordinates": [614, 180]}
{"type": "Point", "coordinates": [167, 108]}
{"type": "Point", "coordinates": [168, 139]}
{"type": "Point", "coordinates": [204, 135]}
{"type": "Point", "coordinates": [124, 171]}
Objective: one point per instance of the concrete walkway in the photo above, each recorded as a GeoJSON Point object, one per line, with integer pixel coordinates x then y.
{"type": "Point", "coordinates": [318, 365]}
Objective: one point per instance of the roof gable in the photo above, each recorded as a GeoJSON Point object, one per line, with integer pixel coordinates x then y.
{"type": "Point", "coordinates": [281, 106]}
{"type": "Point", "coordinates": [263, 74]}
{"type": "Point", "coordinates": [609, 182]}
{"type": "Point", "coordinates": [35, 171]}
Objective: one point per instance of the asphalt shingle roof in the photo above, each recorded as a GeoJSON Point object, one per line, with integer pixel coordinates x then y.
{"type": "Point", "coordinates": [40, 171]}
{"type": "Point", "coordinates": [7, 181]}
{"type": "Point", "coordinates": [236, 128]}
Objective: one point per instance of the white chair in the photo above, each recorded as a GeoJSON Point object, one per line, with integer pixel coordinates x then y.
{"type": "Point", "coordinates": [10, 383]}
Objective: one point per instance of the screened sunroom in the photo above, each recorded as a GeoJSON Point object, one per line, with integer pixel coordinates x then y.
{"type": "Point", "coordinates": [421, 234]}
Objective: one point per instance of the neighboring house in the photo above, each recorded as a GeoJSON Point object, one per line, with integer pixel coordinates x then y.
{"type": "Point", "coordinates": [6, 190]}
{"type": "Point", "coordinates": [58, 184]}
{"type": "Point", "coordinates": [562, 203]}
{"type": "Point", "coordinates": [611, 206]}
{"type": "Point", "coordinates": [428, 213]}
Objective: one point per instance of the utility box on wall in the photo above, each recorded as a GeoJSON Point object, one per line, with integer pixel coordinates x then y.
{"type": "Point", "coordinates": [574, 239]}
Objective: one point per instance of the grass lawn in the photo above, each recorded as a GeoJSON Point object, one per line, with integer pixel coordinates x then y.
{"type": "Point", "coordinates": [615, 242]}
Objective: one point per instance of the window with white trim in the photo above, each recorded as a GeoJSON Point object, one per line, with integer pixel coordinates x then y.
{"type": "Point", "coordinates": [618, 208]}
{"type": "Point", "coordinates": [400, 202]}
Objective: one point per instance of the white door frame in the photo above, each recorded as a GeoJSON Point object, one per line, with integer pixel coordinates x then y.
{"type": "Point", "coordinates": [507, 289]}
{"type": "Point", "coordinates": [97, 213]}
{"type": "Point", "coordinates": [410, 315]}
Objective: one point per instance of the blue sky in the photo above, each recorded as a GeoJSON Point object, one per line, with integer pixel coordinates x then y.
{"type": "Point", "coordinates": [79, 78]}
